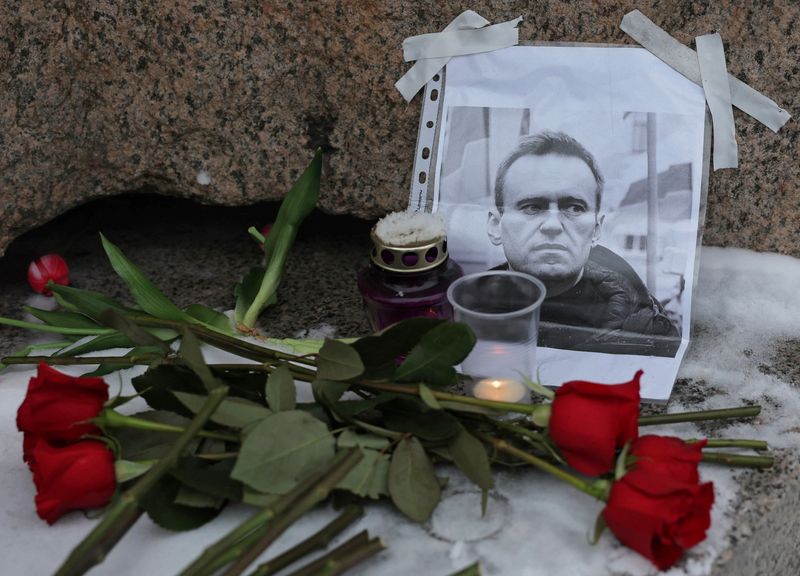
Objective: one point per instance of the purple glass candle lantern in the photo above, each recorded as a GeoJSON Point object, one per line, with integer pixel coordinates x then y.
{"type": "Point", "coordinates": [410, 270]}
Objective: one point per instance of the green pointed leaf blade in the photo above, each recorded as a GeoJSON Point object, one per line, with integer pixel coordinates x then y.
{"type": "Point", "coordinates": [281, 449]}
{"type": "Point", "coordinates": [338, 361]}
{"type": "Point", "coordinates": [136, 334]}
{"type": "Point", "coordinates": [92, 304]}
{"type": "Point", "coordinates": [413, 486]}
{"type": "Point", "coordinates": [61, 318]}
{"type": "Point", "coordinates": [246, 290]}
{"type": "Point", "coordinates": [427, 396]}
{"type": "Point", "coordinates": [232, 412]}
{"type": "Point", "coordinates": [125, 470]}
{"type": "Point", "coordinates": [281, 391]}
{"type": "Point", "coordinates": [144, 292]}
{"type": "Point", "coordinates": [211, 318]}
{"type": "Point", "coordinates": [432, 359]}
{"type": "Point", "coordinates": [471, 458]}
{"type": "Point", "coordinates": [298, 202]}
{"type": "Point", "coordinates": [370, 477]}
{"type": "Point", "coordinates": [192, 498]}
{"type": "Point", "coordinates": [193, 357]}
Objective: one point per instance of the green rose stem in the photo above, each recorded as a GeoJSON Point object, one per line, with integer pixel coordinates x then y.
{"type": "Point", "coordinates": [262, 523]}
{"type": "Point", "coordinates": [598, 488]}
{"type": "Point", "coordinates": [739, 412]}
{"type": "Point", "coordinates": [111, 419]}
{"type": "Point", "coordinates": [301, 504]}
{"type": "Point", "coordinates": [318, 541]}
{"type": "Point", "coordinates": [732, 443]}
{"type": "Point", "coordinates": [341, 559]}
{"type": "Point", "coordinates": [56, 329]}
{"type": "Point", "coordinates": [124, 513]}
{"type": "Point", "coordinates": [738, 459]}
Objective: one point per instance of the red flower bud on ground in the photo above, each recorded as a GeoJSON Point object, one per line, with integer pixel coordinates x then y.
{"type": "Point", "coordinates": [73, 477]}
{"type": "Point", "coordinates": [590, 421]}
{"type": "Point", "coordinates": [266, 229]}
{"type": "Point", "coordinates": [48, 267]}
{"type": "Point", "coordinates": [668, 456]}
{"type": "Point", "coordinates": [57, 406]}
{"type": "Point", "coordinates": [657, 516]}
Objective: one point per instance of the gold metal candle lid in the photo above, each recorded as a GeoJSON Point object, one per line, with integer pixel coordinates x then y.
{"type": "Point", "coordinates": [416, 257]}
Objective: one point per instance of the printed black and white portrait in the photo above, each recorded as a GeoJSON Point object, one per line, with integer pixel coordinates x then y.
{"type": "Point", "coordinates": [603, 218]}
{"type": "Point", "coordinates": [582, 166]}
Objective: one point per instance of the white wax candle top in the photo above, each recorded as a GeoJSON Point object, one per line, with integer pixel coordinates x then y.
{"type": "Point", "coordinates": [500, 390]}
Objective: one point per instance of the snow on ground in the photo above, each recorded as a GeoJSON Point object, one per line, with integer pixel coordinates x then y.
{"type": "Point", "coordinates": [745, 308]}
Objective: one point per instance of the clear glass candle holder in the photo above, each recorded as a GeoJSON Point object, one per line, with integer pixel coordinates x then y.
{"type": "Point", "coordinates": [502, 308]}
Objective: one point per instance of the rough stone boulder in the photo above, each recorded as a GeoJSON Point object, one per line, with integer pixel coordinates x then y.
{"type": "Point", "coordinates": [224, 101]}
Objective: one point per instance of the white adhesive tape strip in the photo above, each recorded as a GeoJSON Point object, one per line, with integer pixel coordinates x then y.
{"type": "Point", "coordinates": [711, 57]}
{"type": "Point", "coordinates": [462, 42]}
{"type": "Point", "coordinates": [684, 60]}
{"type": "Point", "coordinates": [426, 50]}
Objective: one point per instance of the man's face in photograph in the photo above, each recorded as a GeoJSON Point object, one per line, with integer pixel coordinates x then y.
{"type": "Point", "coordinates": [549, 218]}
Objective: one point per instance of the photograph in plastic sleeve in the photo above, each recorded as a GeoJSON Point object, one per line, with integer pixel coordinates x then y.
{"type": "Point", "coordinates": [573, 175]}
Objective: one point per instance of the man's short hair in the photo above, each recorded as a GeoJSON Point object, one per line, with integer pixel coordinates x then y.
{"type": "Point", "coordinates": [541, 144]}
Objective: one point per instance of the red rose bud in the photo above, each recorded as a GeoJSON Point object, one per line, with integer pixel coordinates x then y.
{"type": "Point", "coordinates": [266, 229]}
{"type": "Point", "coordinates": [75, 477]}
{"type": "Point", "coordinates": [48, 267]}
{"type": "Point", "coordinates": [57, 406]}
{"type": "Point", "coordinates": [657, 516]}
{"type": "Point", "coordinates": [668, 456]}
{"type": "Point", "coordinates": [589, 422]}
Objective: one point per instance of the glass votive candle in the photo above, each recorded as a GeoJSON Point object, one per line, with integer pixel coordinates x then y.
{"type": "Point", "coordinates": [502, 308]}
{"type": "Point", "coordinates": [409, 271]}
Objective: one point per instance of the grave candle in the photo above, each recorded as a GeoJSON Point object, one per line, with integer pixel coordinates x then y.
{"type": "Point", "coordinates": [500, 390]}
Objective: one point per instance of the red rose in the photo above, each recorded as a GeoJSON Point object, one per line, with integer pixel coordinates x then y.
{"type": "Point", "coordinates": [73, 477]}
{"type": "Point", "coordinates": [657, 516]}
{"type": "Point", "coordinates": [57, 406]}
{"type": "Point", "coordinates": [589, 422]}
{"type": "Point", "coordinates": [668, 456]}
{"type": "Point", "coordinates": [48, 267]}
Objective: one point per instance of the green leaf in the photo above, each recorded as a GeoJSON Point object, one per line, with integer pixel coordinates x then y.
{"type": "Point", "coordinates": [193, 357]}
{"type": "Point", "coordinates": [338, 361]}
{"type": "Point", "coordinates": [471, 458]}
{"type": "Point", "coordinates": [93, 304]}
{"type": "Point", "coordinates": [413, 486]}
{"type": "Point", "coordinates": [136, 444]}
{"type": "Point", "coordinates": [281, 392]}
{"type": "Point", "coordinates": [297, 204]}
{"type": "Point", "coordinates": [136, 334]}
{"type": "Point", "coordinates": [61, 318]}
{"type": "Point", "coordinates": [413, 417]}
{"type": "Point", "coordinates": [351, 408]}
{"type": "Point", "coordinates": [158, 385]}
{"type": "Point", "coordinates": [328, 392]}
{"type": "Point", "coordinates": [282, 449]}
{"type": "Point", "coordinates": [195, 499]}
{"type": "Point", "coordinates": [159, 503]}
{"type": "Point", "coordinates": [144, 292]}
{"type": "Point", "coordinates": [351, 439]}
{"type": "Point", "coordinates": [599, 527]}
{"type": "Point", "coordinates": [394, 341]}
{"type": "Point", "coordinates": [427, 396]}
{"type": "Point", "coordinates": [213, 479]}
{"type": "Point", "coordinates": [233, 412]}
{"type": "Point", "coordinates": [370, 477]}
{"type": "Point", "coordinates": [246, 290]}
{"type": "Point", "coordinates": [432, 360]}
{"type": "Point", "coordinates": [211, 318]}
{"type": "Point", "coordinates": [126, 470]}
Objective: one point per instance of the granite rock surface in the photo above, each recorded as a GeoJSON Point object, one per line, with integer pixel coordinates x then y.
{"type": "Point", "coordinates": [223, 102]}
